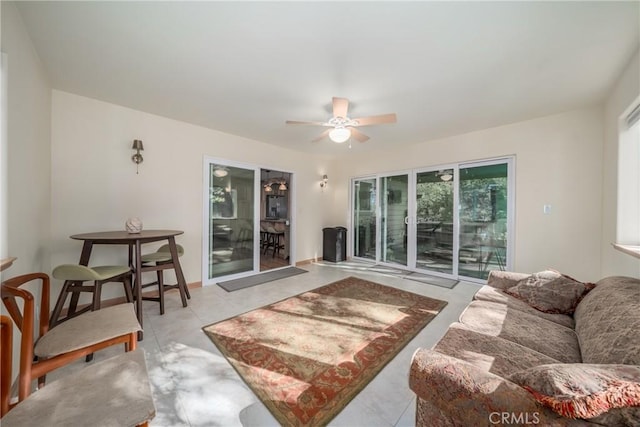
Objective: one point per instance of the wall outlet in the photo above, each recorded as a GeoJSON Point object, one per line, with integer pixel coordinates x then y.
{"type": "Point", "coordinates": [546, 209]}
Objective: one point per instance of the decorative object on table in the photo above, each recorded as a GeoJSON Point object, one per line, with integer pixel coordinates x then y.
{"type": "Point", "coordinates": [307, 356]}
{"type": "Point", "coordinates": [137, 158]}
{"type": "Point", "coordinates": [133, 225]}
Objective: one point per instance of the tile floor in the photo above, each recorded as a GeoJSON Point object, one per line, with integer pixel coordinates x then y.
{"type": "Point", "coordinates": [194, 385]}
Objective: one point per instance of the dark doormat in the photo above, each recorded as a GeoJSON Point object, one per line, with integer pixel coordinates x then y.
{"type": "Point", "coordinates": [258, 279]}
{"type": "Point", "coordinates": [432, 280]}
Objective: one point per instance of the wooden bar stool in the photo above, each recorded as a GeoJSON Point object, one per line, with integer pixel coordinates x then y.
{"type": "Point", "coordinates": [160, 261]}
{"type": "Point", "coordinates": [75, 275]}
{"type": "Point", "coordinates": [274, 241]}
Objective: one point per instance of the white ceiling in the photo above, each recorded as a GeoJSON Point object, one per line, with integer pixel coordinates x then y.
{"type": "Point", "coordinates": [244, 68]}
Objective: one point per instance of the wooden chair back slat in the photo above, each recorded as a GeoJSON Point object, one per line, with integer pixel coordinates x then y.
{"type": "Point", "coordinates": [6, 361]}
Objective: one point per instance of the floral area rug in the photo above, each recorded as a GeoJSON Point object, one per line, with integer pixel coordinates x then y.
{"type": "Point", "coordinates": [307, 356]}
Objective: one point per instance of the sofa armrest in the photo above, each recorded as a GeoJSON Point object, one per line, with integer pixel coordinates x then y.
{"type": "Point", "coordinates": [504, 279]}
{"type": "Point", "coordinates": [465, 392]}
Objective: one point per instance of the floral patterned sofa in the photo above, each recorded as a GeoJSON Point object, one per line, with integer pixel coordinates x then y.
{"type": "Point", "coordinates": [507, 363]}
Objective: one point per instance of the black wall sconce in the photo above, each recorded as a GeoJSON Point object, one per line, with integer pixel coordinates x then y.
{"type": "Point", "coordinates": [137, 158]}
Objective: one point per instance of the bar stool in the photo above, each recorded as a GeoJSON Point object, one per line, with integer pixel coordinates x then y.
{"type": "Point", "coordinates": [74, 275]}
{"type": "Point", "coordinates": [273, 240]}
{"type": "Point", "coordinates": [263, 237]}
{"type": "Point", "coordinates": [162, 260]}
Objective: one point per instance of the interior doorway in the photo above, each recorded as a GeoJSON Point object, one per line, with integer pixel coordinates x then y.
{"type": "Point", "coordinates": [275, 219]}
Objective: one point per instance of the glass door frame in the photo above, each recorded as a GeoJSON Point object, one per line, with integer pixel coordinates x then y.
{"type": "Point", "coordinates": [352, 219]}
{"type": "Point", "coordinates": [412, 215]}
{"type": "Point", "coordinates": [379, 218]}
{"type": "Point", "coordinates": [257, 194]}
{"type": "Point", "coordinates": [511, 207]}
{"type": "Point", "coordinates": [414, 222]}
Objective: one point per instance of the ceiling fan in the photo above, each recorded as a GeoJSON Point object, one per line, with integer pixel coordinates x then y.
{"type": "Point", "coordinates": [343, 127]}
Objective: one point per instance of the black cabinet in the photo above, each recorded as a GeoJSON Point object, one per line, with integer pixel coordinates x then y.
{"type": "Point", "coordinates": [334, 244]}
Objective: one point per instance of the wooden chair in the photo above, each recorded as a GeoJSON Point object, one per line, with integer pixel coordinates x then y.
{"type": "Point", "coordinates": [80, 336]}
{"type": "Point", "coordinates": [115, 391]}
{"type": "Point", "coordinates": [75, 275]}
{"type": "Point", "coordinates": [159, 261]}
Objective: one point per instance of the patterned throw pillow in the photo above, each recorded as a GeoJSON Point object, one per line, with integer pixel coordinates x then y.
{"type": "Point", "coordinates": [580, 390]}
{"type": "Point", "coordinates": [550, 292]}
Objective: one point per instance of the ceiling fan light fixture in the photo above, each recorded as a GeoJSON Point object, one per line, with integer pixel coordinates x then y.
{"type": "Point", "coordinates": [339, 135]}
{"type": "Point", "coordinates": [220, 171]}
{"type": "Point", "coordinates": [446, 177]}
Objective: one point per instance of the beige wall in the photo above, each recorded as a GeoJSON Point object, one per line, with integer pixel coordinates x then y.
{"type": "Point", "coordinates": [95, 186]}
{"type": "Point", "coordinates": [557, 162]}
{"type": "Point", "coordinates": [624, 92]}
{"type": "Point", "coordinates": [26, 172]}
{"type": "Point", "coordinates": [28, 148]}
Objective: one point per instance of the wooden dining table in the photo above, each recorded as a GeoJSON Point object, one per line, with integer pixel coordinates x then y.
{"type": "Point", "coordinates": [135, 241]}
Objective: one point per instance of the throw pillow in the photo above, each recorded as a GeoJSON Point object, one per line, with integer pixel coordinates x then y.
{"type": "Point", "coordinates": [579, 390]}
{"type": "Point", "coordinates": [550, 292]}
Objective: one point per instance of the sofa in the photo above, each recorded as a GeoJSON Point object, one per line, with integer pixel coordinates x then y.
{"type": "Point", "coordinates": [474, 374]}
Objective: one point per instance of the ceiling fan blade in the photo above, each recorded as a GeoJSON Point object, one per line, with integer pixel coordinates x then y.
{"type": "Point", "coordinates": [296, 122]}
{"type": "Point", "coordinates": [322, 135]}
{"type": "Point", "coordinates": [361, 137]}
{"type": "Point", "coordinates": [376, 120]}
{"type": "Point", "coordinates": [340, 107]}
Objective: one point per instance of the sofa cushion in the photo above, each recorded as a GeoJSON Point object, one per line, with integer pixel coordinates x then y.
{"type": "Point", "coordinates": [492, 354]}
{"type": "Point", "coordinates": [528, 330]}
{"type": "Point", "coordinates": [608, 322]}
{"type": "Point", "coordinates": [580, 390]}
{"type": "Point", "coordinates": [504, 279]}
{"type": "Point", "coordinates": [550, 294]}
{"type": "Point", "coordinates": [489, 293]}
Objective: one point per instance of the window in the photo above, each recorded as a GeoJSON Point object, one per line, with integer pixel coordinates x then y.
{"type": "Point", "coordinates": [628, 220]}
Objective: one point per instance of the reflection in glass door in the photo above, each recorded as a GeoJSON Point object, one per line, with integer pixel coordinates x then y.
{"type": "Point", "coordinates": [231, 219]}
{"type": "Point", "coordinates": [435, 221]}
{"type": "Point", "coordinates": [364, 218]}
{"type": "Point", "coordinates": [394, 197]}
{"type": "Point", "coordinates": [483, 219]}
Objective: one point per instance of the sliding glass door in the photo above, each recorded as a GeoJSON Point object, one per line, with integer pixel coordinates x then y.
{"type": "Point", "coordinates": [230, 220]}
{"type": "Point", "coordinates": [452, 221]}
{"type": "Point", "coordinates": [434, 221]}
{"type": "Point", "coordinates": [365, 203]}
{"type": "Point", "coordinates": [484, 217]}
{"type": "Point", "coordinates": [394, 200]}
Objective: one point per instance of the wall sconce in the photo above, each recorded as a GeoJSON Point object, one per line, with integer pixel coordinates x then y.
{"type": "Point", "coordinates": [324, 181]}
{"type": "Point", "coordinates": [137, 158]}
